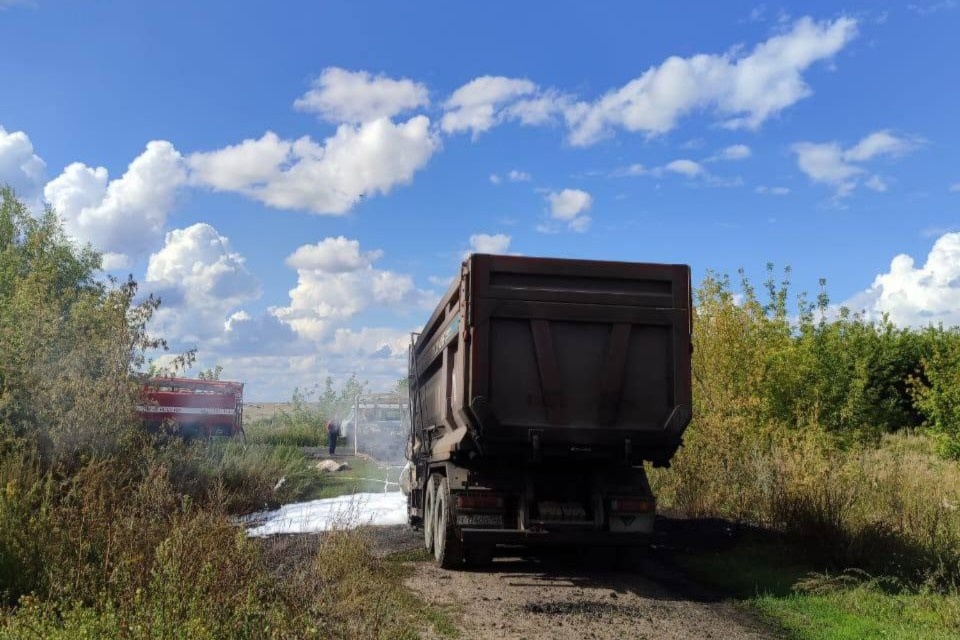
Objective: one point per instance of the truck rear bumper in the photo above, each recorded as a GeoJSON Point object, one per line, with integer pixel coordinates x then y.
{"type": "Point", "coordinates": [534, 538]}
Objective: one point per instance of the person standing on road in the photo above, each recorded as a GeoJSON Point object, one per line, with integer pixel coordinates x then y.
{"type": "Point", "coordinates": [333, 432]}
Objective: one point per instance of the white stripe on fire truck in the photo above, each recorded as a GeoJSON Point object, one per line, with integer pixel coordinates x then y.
{"type": "Point", "coordinates": [186, 410]}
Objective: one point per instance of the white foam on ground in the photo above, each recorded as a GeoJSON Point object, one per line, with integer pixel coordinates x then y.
{"type": "Point", "coordinates": [342, 512]}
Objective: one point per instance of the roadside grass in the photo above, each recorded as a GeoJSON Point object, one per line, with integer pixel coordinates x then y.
{"type": "Point", "coordinates": [867, 538]}
{"type": "Point", "coordinates": [787, 587]}
{"type": "Point", "coordinates": [421, 614]}
{"type": "Point", "coordinates": [337, 588]}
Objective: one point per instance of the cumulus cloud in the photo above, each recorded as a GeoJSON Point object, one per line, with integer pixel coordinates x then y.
{"type": "Point", "coordinates": [333, 255]}
{"type": "Point", "coordinates": [829, 163]}
{"type": "Point", "coordinates": [249, 164]}
{"type": "Point", "coordinates": [329, 178]}
{"type": "Point", "coordinates": [570, 206]}
{"type": "Point", "coordinates": [338, 95]}
{"type": "Point", "coordinates": [487, 243]}
{"type": "Point", "coordinates": [915, 295]}
{"type": "Point", "coordinates": [336, 281]}
{"type": "Point", "coordinates": [202, 282]}
{"type": "Point", "coordinates": [743, 90]}
{"type": "Point", "coordinates": [20, 167]}
{"type": "Point", "coordinates": [124, 217]}
{"type": "Point", "coordinates": [477, 105]}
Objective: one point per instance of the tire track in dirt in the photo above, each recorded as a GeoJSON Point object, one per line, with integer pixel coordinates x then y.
{"type": "Point", "coordinates": [554, 598]}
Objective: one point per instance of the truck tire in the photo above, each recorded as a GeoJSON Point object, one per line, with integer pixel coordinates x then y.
{"type": "Point", "coordinates": [429, 501]}
{"type": "Point", "coordinates": [447, 550]}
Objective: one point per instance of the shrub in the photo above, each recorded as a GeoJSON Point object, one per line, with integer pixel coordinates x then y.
{"type": "Point", "coordinates": [793, 429]}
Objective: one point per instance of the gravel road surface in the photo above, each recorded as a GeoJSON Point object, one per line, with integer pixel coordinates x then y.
{"type": "Point", "coordinates": [554, 598]}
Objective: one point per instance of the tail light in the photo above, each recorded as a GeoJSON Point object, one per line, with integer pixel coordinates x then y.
{"type": "Point", "coordinates": [633, 505]}
{"type": "Point", "coordinates": [480, 502]}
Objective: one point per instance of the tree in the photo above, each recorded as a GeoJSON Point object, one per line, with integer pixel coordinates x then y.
{"type": "Point", "coordinates": [211, 374]}
{"type": "Point", "coordinates": [70, 340]}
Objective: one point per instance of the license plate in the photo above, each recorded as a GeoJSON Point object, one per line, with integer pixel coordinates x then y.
{"type": "Point", "coordinates": [479, 520]}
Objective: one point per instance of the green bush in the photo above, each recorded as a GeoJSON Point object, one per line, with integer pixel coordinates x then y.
{"type": "Point", "coordinates": [804, 424]}
{"type": "Point", "coordinates": [937, 392]}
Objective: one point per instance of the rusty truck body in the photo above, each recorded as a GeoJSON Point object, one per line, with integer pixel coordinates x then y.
{"type": "Point", "coordinates": [540, 389]}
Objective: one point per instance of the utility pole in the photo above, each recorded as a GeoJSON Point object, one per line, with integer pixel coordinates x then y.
{"type": "Point", "coordinates": [356, 423]}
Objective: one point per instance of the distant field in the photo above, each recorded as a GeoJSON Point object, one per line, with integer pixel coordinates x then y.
{"type": "Point", "coordinates": [259, 410]}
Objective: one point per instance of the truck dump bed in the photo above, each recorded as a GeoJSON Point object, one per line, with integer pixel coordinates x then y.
{"type": "Point", "coordinates": [537, 357]}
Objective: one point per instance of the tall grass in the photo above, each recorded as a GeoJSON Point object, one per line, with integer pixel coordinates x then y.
{"type": "Point", "coordinates": [286, 430]}
{"type": "Point", "coordinates": [892, 509]}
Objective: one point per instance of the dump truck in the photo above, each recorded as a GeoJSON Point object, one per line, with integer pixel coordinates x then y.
{"type": "Point", "coordinates": [540, 391]}
{"type": "Point", "coordinates": [192, 408]}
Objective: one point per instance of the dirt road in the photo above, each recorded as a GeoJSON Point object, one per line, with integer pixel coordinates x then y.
{"type": "Point", "coordinates": [517, 598]}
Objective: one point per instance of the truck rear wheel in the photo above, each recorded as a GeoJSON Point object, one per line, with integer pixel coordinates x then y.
{"type": "Point", "coordinates": [447, 550]}
{"type": "Point", "coordinates": [429, 501]}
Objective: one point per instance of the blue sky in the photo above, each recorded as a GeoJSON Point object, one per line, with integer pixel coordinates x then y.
{"type": "Point", "coordinates": [299, 180]}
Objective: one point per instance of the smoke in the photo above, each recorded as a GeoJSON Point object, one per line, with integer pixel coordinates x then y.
{"type": "Point", "coordinates": [380, 427]}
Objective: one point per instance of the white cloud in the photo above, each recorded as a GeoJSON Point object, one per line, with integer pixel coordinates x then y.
{"type": "Point", "coordinates": [580, 223]}
{"type": "Point", "coordinates": [249, 164]}
{"type": "Point", "coordinates": [20, 167]}
{"type": "Point", "coordinates": [339, 95]}
{"type": "Point", "coordinates": [336, 281]}
{"type": "Point", "coordinates": [201, 282]}
{"type": "Point", "coordinates": [329, 178]}
{"type": "Point", "coordinates": [370, 342]}
{"type": "Point", "coordinates": [733, 152]}
{"type": "Point", "coordinates": [540, 109]}
{"type": "Point", "coordinates": [636, 169]}
{"type": "Point", "coordinates": [955, 187]}
{"type": "Point", "coordinates": [917, 295]}
{"type": "Point", "coordinates": [876, 183]}
{"type": "Point", "coordinates": [333, 255]}
{"type": "Point", "coordinates": [684, 167]}
{"type": "Point", "coordinates": [829, 163]}
{"type": "Point", "coordinates": [744, 90]}
{"type": "Point", "coordinates": [126, 216]}
{"type": "Point", "coordinates": [515, 175]}
{"type": "Point", "coordinates": [476, 106]}
{"type": "Point", "coordinates": [773, 191]}
{"type": "Point", "coordinates": [879, 143]}
{"type": "Point", "coordinates": [486, 243]}
{"type": "Point", "coordinates": [570, 206]}
{"type": "Point", "coordinates": [569, 203]}
{"type": "Point", "coordinates": [437, 281]}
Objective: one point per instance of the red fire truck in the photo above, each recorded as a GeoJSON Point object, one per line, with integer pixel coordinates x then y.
{"type": "Point", "coordinates": [193, 408]}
